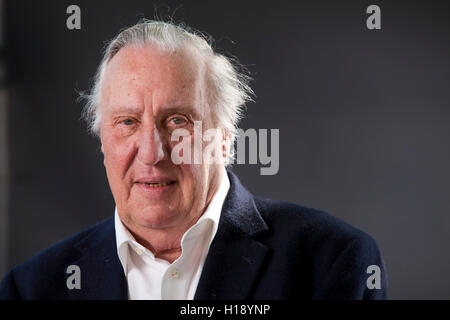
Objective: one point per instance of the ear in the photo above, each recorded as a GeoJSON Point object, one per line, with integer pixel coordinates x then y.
{"type": "Point", "coordinates": [104, 160]}
{"type": "Point", "coordinates": [226, 142]}
{"type": "Point", "coordinates": [100, 139]}
{"type": "Point", "coordinates": [102, 149]}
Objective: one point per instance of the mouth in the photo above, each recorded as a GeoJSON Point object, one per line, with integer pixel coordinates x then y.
{"type": "Point", "coordinates": [157, 184]}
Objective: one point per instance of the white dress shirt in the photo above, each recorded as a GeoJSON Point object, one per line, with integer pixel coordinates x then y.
{"type": "Point", "coordinates": [151, 278]}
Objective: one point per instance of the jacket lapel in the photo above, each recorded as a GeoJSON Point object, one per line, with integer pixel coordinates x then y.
{"type": "Point", "coordinates": [102, 275]}
{"type": "Point", "coordinates": [235, 257]}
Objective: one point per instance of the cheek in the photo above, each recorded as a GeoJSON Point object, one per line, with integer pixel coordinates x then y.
{"type": "Point", "coordinates": [117, 156]}
{"type": "Point", "coordinates": [191, 181]}
{"type": "Point", "coordinates": [194, 181]}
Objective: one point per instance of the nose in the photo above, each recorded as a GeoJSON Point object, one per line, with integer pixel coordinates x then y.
{"type": "Point", "coordinates": [151, 148]}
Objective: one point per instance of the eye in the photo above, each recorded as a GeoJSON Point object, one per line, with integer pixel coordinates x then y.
{"type": "Point", "coordinates": [126, 125]}
{"type": "Point", "coordinates": [178, 120]}
{"type": "Point", "coordinates": [127, 122]}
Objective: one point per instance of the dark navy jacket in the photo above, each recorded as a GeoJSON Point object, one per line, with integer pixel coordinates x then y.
{"type": "Point", "coordinates": [263, 249]}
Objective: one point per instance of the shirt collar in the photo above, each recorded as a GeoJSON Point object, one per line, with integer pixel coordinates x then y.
{"type": "Point", "coordinates": [212, 213]}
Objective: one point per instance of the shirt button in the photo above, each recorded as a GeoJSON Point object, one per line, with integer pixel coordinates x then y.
{"type": "Point", "coordinates": [174, 274]}
{"type": "Point", "coordinates": [138, 251]}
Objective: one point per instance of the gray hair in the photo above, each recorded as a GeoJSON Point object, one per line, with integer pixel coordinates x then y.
{"type": "Point", "coordinates": [228, 83]}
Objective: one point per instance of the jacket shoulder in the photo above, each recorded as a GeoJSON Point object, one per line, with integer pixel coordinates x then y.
{"type": "Point", "coordinates": [43, 270]}
{"type": "Point", "coordinates": [313, 224]}
{"type": "Point", "coordinates": [338, 254]}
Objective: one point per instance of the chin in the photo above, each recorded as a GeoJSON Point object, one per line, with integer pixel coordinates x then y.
{"type": "Point", "coordinates": [156, 217]}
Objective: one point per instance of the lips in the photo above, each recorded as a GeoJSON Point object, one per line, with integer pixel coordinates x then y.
{"type": "Point", "coordinates": [157, 184]}
{"type": "Point", "coordinates": [155, 181]}
{"type": "Point", "coordinates": [155, 189]}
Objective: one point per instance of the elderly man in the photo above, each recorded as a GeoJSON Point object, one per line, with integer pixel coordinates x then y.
{"type": "Point", "coordinates": [188, 229]}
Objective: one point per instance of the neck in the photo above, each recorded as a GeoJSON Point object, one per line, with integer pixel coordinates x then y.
{"type": "Point", "coordinates": [163, 243]}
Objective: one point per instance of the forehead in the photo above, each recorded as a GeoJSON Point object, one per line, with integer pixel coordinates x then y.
{"type": "Point", "coordinates": [137, 74]}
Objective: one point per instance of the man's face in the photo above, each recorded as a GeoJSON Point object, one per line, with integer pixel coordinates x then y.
{"type": "Point", "coordinates": [147, 94]}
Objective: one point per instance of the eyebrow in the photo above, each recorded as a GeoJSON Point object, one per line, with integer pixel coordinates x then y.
{"type": "Point", "coordinates": [114, 108]}
{"type": "Point", "coordinates": [137, 109]}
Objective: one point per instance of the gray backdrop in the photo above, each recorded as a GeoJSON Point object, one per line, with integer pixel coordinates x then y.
{"type": "Point", "coordinates": [364, 118]}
